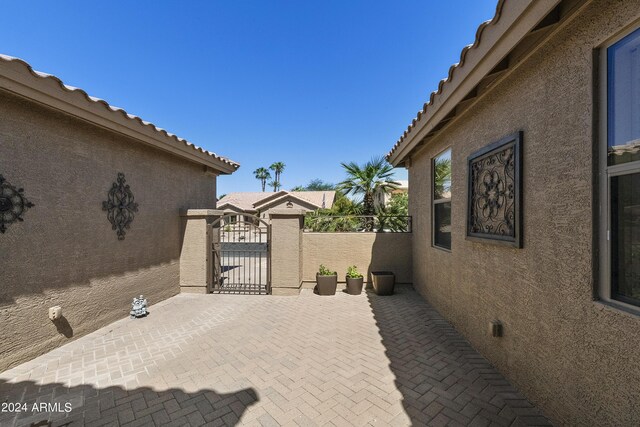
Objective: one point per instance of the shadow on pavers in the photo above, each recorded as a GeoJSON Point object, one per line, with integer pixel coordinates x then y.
{"type": "Point", "coordinates": [440, 375]}
{"type": "Point", "coordinates": [55, 404]}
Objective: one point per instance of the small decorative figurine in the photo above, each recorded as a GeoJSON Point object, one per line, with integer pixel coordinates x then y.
{"type": "Point", "coordinates": [139, 307]}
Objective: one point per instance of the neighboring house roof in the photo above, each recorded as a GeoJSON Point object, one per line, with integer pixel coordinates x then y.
{"type": "Point", "coordinates": [233, 206]}
{"type": "Point", "coordinates": [288, 198]}
{"type": "Point", "coordinates": [493, 55]}
{"type": "Point", "coordinates": [251, 201]}
{"type": "Point", "coordinates": [320, 199]}
{"type": "Point", "coordinates": [619, 154]}
{"type": "Point", "coordinates": [270, 196]}
{"type": "Point", "coordinates": [18, 77]}
{"type": "Point", "coordinates": [243, 200]}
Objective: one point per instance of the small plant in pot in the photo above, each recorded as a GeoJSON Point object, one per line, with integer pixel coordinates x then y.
{"type": "Point", "coordinates": [327, 281]}
{"type": "Point", "coordinates": [354, 281]}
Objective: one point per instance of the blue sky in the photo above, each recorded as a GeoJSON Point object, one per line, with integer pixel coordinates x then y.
{"type": "Point", "coordinates": [308, 83]}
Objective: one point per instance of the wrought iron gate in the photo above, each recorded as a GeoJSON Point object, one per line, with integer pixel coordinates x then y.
{"type": "Point", "coordinates": [241, 262]}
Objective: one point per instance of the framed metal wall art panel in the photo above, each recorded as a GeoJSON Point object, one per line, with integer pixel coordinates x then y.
{"type": "Point", "coordinates": [494, 207]}
{"type": "Point", "coordinates": [120, 206]}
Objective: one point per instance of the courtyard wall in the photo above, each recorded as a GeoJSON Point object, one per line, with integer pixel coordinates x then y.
{"type": "Point", "coordinates": [65, 252]}
{"type": "Point", "coordinates": [368, 251]}
{"type": "Point", "coordinates": [574, 357]}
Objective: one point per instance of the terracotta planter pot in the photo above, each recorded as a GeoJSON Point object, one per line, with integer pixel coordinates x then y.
{"type": "Point", "coordinates": [326, 284]}
{"type": "Point", "coordinates": [354, 285]}
{"type": "Point", "coordinates": [383, 282]}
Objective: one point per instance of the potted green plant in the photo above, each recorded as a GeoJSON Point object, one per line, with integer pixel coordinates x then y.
{"type": "Point", "coordinates": [354, 280]}
{"type": "Point", "coordinates": [383, 282]}
{"type": "Point", "coordinates": [327, 281]}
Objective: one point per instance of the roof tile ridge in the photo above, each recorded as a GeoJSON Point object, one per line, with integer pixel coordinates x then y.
{"type": "Point", "coordinates": [452, 69]}
{"type": "Point", "coordinates": [111, 108]}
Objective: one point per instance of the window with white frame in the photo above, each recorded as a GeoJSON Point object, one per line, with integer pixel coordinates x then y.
{"type": "Point", "coordinates": [441, 212]}
{"type": "Point", "coordinates": [620, 164]}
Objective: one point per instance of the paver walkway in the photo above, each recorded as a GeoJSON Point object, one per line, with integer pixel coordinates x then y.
{"type": "Point", "coordinates": [260, 360]}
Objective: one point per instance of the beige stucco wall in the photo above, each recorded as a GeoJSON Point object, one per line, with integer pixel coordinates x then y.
{"type": "Point", "coordinates": [283, 205]}
{"type": "Point", "coordinates": [286, 250]}
{"type": "Point", "coordinates": [65, 252]}
{"type": "Point", "coordinates": [575, 358]}
{"type": "Point", "coordinates": [368, 251]}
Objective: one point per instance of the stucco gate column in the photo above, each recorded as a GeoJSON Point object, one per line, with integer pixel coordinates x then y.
{"type": "Point", "coordinates": [196, 257]}
{"type": "Point", "coordinates": [286, 250]}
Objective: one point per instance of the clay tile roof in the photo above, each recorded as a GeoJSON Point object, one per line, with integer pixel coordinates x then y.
{"type": "Point", "coordinates": [249, 201]}
{"type": "Point", "coordinates": [243, 200]}
{"type": "Point", "coordinates": [134, 120]}
{"type": "Point", "coordinates": [447, 80]}
{"type": "Point", "coordinates": [317, 198]}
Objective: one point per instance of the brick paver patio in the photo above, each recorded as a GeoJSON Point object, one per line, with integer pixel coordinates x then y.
{"type": "Point", "coordinates": [258, 360]}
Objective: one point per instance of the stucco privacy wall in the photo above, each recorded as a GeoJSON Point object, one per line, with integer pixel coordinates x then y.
{"type": "Point", "coordinates": [283, 205]}
{"type": "Point", "coordinates": [575, 358]}
{"type": "Point", "coordinates": [368, 251]}
{"type": "Point", "coordinates": [65, 252]}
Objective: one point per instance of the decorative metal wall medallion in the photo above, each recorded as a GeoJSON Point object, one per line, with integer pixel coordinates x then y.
{"type": "Point", "coordinates": [120, 206]}
{"type": "Point", "coordinates": [495, 192]}
{"type": "Point", "coordinates": [13, 204]}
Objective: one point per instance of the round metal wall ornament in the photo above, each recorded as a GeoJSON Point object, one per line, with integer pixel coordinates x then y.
{"type": "Point", "coordinates": [13, 204]}
{"type": "Point", "coordinates": [120, 206]}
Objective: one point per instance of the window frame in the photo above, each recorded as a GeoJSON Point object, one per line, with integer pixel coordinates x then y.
{"type": "Point", "coordinates": [606, 172]}
{"type": "Point", "coordinates": [435, 201]}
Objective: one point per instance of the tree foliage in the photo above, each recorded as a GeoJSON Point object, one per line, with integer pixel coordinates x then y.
{"type": "Point", "coordinates": [319, 185]}
{"type": "Point", "coordinates": [336, 218]}
{"type": "Point", "coordinates": [368, 180]}
{"type": "Point", "coordinates": [442, 178]}
{"type": "Point", "coordinates": [275, 185]}
{"type": "Point", "coordinates": [348, 215]}
{"type": "Point", "coordinates": [277, 168]}
{"type": "Point", "coordinates": [263, 175]}
{"type": "Point", "coordinates": [394, 216]}
{"type": "Point", "coordinates": [315, 185]}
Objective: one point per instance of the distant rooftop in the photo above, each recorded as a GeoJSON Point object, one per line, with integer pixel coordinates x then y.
{"type": "Point", "coordinates": [249, 201]}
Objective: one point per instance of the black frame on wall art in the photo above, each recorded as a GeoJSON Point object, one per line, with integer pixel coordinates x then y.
{"type": "Point", "coordinates": [494, 205]}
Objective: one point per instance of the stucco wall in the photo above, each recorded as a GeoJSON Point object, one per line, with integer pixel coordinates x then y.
{"type": "Point", "coordinates": [65, 252]}
{"type": "Point", "coordinates": [368, 251]}
{"type": "Point", "coordinates": [286, 251]}
{"type": "Point", "coordinates": [283, 205]}
{"type": "Point", "coordinates": [575, 358]}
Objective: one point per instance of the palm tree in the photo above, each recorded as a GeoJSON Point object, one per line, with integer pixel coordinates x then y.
{"type": "Point", "coordinates": [275, 184]}
{"type": "Point", "coordinates": [394, 216]}
{"type": "Point", "coordinates": [368, 180]}
{"type": "Point", "coordinates": [263, 175]}
{"type": "Point", "coordinates": [277, 168]}
{"type": "Point", "coordinates": [442, 178]}
{"type": "Point", "coordinates": [341, 216]}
